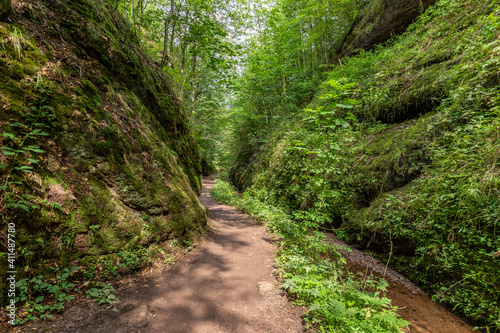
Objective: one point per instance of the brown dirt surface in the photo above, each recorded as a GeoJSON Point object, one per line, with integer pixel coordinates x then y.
{"type": "Point", "coordinates": [226, 285]}
{"type": "Point", "coordinates": [414, 306]}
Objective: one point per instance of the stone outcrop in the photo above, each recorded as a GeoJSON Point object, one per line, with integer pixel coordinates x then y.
{"type": "Point", "coordinates": [378, 21]}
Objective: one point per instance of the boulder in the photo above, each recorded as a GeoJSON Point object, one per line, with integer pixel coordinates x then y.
{"type": "Point", "coordinates": [81, 244]}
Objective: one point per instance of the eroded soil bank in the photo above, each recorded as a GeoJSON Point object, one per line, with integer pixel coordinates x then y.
{"type": "Point", "coordinates": [414, 305]}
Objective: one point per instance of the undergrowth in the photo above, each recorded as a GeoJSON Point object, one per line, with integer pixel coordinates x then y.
{"type": "Point", "coordinates": [313, 271]}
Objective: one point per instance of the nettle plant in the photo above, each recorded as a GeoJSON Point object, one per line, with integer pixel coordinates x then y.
{"type": "Point", "coordinates": [334, 109]}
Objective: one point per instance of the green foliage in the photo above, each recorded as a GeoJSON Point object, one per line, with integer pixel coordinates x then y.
{"type": "Point", "coordinates": [335, 107]}
{"type": "Point", "coordinates": [195, 43]}
{"type": "Point", "coordinates": [400, 141]}
{"type": "Point", "coordinates": [21, 153]}
{"type": "Point", "coordinates": [336, 303]}
{"type": "Point", "coordinates": [131, 260]}
{"type": "Point", "coordinates": [41, 299]}
{"type": "Point", "coordinates": [109, 267]}
{"type": "Point", "coordinates": [337, 300]}
{"type": "Point", "coordinates": [102, 294]}
{"type": "Point", "coordinates": [284, 67]}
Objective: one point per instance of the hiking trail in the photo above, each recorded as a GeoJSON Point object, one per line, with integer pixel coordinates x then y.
{"type": "Point", "coordinates": [227, 285]}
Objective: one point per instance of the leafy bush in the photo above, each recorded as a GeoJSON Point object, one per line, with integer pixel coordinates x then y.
{"type": "Point", "coordinates": [102, 293]}
{"type": "Point", "coordinates": [41, 299]}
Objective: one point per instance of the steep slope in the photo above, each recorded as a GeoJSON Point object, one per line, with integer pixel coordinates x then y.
{"type": "Point", "coordinates": [400, 151]}
{"type": "Point", "coordinates": [106, 161]}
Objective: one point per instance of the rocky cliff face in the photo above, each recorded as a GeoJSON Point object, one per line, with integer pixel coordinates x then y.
{"type": "Point", "coordinates": [380, 20]}
{"type": "Point", "coordinates": [116, 168]}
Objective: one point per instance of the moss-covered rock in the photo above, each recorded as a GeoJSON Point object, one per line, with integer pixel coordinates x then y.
{"type": "Point", "coordinates": [119, 168]}
{"type": "Point", "coordinates": [380, 20]}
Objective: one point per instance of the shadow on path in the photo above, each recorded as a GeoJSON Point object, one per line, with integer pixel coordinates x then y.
{"type": "Point", "coordinates": [214, 289]}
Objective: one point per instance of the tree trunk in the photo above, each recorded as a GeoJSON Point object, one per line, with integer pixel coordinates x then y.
{"type": "Point", "coordinates": [311, 47]}
{"type": "Point", "coordinates": [143, 5]}
{"type": "Point", "coordinates": [184, 46]}
{"type": "Point", "coordinates": [193, 96]}
{"type": "Point", "coordinates": [183, 57]}
{"type": "Point", "coordinates": [164, 58]}
{"type": "Point", "coordinates": [172, 44]}
{"type": "Point", "coordinates": [302, 56]}
{"type": "Point", "coordinates": [326, 41]}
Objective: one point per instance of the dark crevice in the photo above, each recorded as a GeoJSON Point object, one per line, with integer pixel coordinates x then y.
{"type": "Point", "coordinates": [410, 110]}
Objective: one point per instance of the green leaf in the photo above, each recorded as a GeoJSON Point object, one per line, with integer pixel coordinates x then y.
{"type": "Point", "coordinates": [8, 153]}
{"type": "Point", "coordinates": [39, 299]}
{"type": "Point", "coordinates": [34, 149]}
{"type": "Point", "coordinates": [24, 167]}
{"type": "Point", "coordinates": [16, 124]}
{"type": "Point", "coordinates": [9, 136]}
{"type": "Point", "coordinates": [23, 207]}
{"type": "Point", "coordinates": [344, 106]}
{"type": "Point", "coordinates": [38, 131]}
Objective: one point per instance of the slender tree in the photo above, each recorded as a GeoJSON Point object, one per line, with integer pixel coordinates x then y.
{"type": "Point", "coordinates": [168, 20]}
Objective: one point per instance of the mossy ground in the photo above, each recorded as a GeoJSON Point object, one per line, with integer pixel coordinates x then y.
{"type": "Point", "coordinates": [119, 158]}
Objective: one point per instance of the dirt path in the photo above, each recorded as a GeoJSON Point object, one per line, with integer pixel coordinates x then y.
{"type": "Point", "coordinates": [226, 285]}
